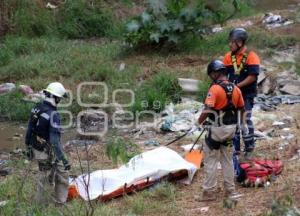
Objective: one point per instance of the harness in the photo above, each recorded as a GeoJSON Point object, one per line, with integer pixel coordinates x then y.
{"type": "Point", "coordinates": [36, 141]}
{"type": "Point", "coordinates": [227, 115]}
{"type": "Point", "coordinates": [238, 69]}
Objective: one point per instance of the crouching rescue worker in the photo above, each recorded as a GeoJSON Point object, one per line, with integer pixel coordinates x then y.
{"type": "Point", "coordinates": [220, 116]}
{"type": "Point", "coordinates": [44, 146]}
{"type": "Point", "coordinates": [243, 68]}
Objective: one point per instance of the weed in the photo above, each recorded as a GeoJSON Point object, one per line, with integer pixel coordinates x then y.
{"type": "Point", "coordinates": [120, 150]}
{"type": "Point", "coordinates": [13, 108]}
{"type": "Point", "coordinates": [73, 19]}
{"type": "Point", "coordinates": [261, 40]}
{"type": "Point", "coordinates": [157, 92]}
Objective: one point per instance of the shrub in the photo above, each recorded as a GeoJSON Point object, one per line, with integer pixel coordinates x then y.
{"type": "Point", "coordinates": [169, 21]}
{"type": "Point", "coordinates": [79, 19]}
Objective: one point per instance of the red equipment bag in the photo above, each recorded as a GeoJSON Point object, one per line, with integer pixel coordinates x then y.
{"type": "Point", "coordinates": [257, 172]}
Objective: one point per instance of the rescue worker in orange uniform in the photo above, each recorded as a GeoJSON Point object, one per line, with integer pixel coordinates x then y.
{"type": "Point", "coordinates": [243, 68]}
{"type": "Point", "coordinates": [222, 104]}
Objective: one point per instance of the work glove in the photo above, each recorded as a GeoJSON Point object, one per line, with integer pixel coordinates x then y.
{"type": "Point", "coordinates": [29, 152]}
{"type": "Point", "coordinates": [67, 165]}
{"type": "Point", "coordinates": [245, 129]}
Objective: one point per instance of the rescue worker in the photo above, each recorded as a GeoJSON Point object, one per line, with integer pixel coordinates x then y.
{"type": "Point", "coordinates": [243, 68]}
{"type": "Point", "coordinates": [222, 103]}
{"type": "Point", "coordinates": [43, 145]}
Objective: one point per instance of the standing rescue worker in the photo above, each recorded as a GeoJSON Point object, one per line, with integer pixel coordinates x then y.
{"type": "Point", "coordinates": [243, 68]}
{"type": "Point", "coordinates": [43, 144]}
{"type": "Point", "coordinates": [222, 103]}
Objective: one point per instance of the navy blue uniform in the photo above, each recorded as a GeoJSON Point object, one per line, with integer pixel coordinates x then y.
{"type": "Point", "coordinates": [47, 127]}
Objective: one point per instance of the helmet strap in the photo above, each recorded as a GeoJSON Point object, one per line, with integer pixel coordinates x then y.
{"type": "Point", "coordinates": [238, 47]}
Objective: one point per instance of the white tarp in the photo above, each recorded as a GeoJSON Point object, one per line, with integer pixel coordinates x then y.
{"type": "Point", "coordinates": [153, 164]}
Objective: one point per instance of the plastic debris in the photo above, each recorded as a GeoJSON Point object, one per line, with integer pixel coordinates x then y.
{"type": "Point", "coordinates": [269, 103]}
{"type": "Point", "coordinates": [51, 6]}
{"type": "Point", "coordinates": [181, 117]}
{"type": "Point", "coordinates": [204, 209]}
{"type": "Point", "coordinates": [288, 137]}
{"type": "Point", "coordinates": [3, 203]}
{"type": "Point", "coordinates": [274, 21]}
{"type": "Point", "coordinates": [152, 143]}
{"type": "Point", "coordinates": [6, 88]}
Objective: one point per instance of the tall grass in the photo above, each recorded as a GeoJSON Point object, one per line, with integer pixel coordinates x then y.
{"type": "Point", "coordinates": [157, 92]}
{"type": "Point", "coordinates": [71, 19]}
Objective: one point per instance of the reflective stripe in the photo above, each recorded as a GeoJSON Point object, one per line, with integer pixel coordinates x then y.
{"type": "Point", "coordinates": [45, 116]}
{"type": "Point", "coordinates": [237, 70]}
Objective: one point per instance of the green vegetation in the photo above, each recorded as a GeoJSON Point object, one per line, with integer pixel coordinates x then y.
{"type": "Point", "coordinates": [260, 39]}
{"type": "Point", "coordinates": [13, 108]}
{"type": "Point", "coordinates": [168, 22]}
{"type": "Point", "coordinates": [161, 89]}
{"type": "Point", "coordinates": [19, 191]}
{"type": "Point", "coordinates": [71, 19]}
{"type": "Point", "coordinates": [121, 150]}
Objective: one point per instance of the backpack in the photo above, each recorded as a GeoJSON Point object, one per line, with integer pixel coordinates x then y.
{"type": "Point", "coordinates": [257, 172]}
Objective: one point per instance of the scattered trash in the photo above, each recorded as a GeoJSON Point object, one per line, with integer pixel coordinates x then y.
{"type": "Point", "coordinates": [288, 137]}
{"type": "Point", "coordinates": [122, 66]}
{"type": "Point", "coordinates": [189, 85]}
{"type": "Point", "coordinates": [204, 209]}
{"type": "Point", "coordinates": [51, 6]}
{"type": "Point", "coordinates": [181, 117]}
{"type": "Point", "coordinates": [3, 162]}
{"type": "Point", "coordinates": [217, 29]}
{"type": "Point", "coordinates": [274, 21]}
{"type": "Point", "coordinates": [17, 151]}
{"type": "Point", "coordinates": [3, 203]}
{"type": "Point", "coordinates": [6, 88]}
{"type": "Point", "coordinates": [152, 143]}
{"type": "Point", "coordinates": [269, 103]}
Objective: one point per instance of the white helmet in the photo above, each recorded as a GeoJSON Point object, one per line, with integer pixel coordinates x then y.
{"type": "Point", "coordinates": [56, 89]}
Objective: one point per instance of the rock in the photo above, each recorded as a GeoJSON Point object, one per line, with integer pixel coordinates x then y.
{"type": "Point", "coordinates": [292, 88]}
{"type": "Point", "coordinates": [26, 89]}
{"type": "Point", "coordinates": [6, 88]}
{"type": "Point", "coordinates": [189, 85]}
{"type": "Point", "coordinates": [122, 66]}
{"type": "Point", "coordinates": [261, 77]}
{"type": "Point", "coordinates": [267, 86]}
